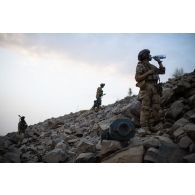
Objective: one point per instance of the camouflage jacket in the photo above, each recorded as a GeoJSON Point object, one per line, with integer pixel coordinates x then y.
{"type": "Point", "coordinates": [143, 68]}
{"type": "Point", "coordinates": [22, 125]}
{"type": "Point", "coordinates": [99, 92]}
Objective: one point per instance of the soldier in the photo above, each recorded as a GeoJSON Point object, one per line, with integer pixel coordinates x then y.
{"type": "Point", "coordinates": [147, 77]}
{"type": "Point", "coordinates": [22, 125]}
{"type": "Point", "coordinates": [99, 94]}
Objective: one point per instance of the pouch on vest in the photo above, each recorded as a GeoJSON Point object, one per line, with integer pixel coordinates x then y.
{"type": "Point", "coordinates": [141, 84]}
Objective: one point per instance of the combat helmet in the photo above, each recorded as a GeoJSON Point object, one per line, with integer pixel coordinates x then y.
{"type": "Point", "coordinates": [143, 54]}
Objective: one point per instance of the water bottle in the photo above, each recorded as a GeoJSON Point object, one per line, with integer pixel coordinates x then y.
{"type": "Point", "coordinates": [160, 57]}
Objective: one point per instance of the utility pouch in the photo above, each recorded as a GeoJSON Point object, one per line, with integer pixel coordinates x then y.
{"type": "Point", "coordinates": [141, 84]}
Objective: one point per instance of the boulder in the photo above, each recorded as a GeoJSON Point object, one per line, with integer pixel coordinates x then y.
{"type": "Point", "coordinates": [132, 109]}
{"type": "Point", "coordinates": [192, 100]}
{"type": "Point", "coordinates": [180, 123]}
{"type": "Point", "coordinates": [67, 131]}
{"type": "Point", "coordinates": [190, 129]}
{"type": "Point", "coordinates": [55, 156]}
{"type": "Point", "coordinates": [130, 155]}
{"type": "Point", "coordinates": [57, 140]}
{"type": "Point", "coordinates": [189, 158]}
{"type": "Point", "coordinates": [181, 87]}
{"type": "Point", "coordinates": [86, 158]}
{"type": "Point", "coordinates": [167, 96]}
{"type": "Point", "coordinates": [178, 132]}
{"type": "Point", "coordinates": [151, 142]}
{"type": "Point", "coordinates": [175, 110]}
{"type": "Point", "coordinates": [109, 146]}
{"type": "Point", "coordinates": [14, 137]}
{"type": "Point", "coordinates": [61, 145]}
{"type": "Point", "coordinates": [12, 156]}
{"type": "Point", "coordinates": [192, 118]}
{"type": "Point", "coordinates": [79, 132]}
{"type": "Point", "coordinates": [185, 142]}
{"type": "Point", "coordinates": [192, 148]}
{"type": "Point", "coordinates": [169, 153]}
{"type": "Point", "coordinates": [151, 155]}
{"type": "Point", "coordinates": [73, 141]}
{"type": "Point", "coordinates": [85, 146]}
{"type": "Point", "coordinates": [165, 139]}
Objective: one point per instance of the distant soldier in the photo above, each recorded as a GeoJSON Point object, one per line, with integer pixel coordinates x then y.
{"type": "Point", "coordinates": [99, 94]}
{"type": "Point", "coordinates": [147, 77]}
{"type": "Point", "coordinates": [22, 125]}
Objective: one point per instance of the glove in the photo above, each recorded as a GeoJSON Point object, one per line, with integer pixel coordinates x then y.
{"type": "Point", "coordinates": [157, 59]}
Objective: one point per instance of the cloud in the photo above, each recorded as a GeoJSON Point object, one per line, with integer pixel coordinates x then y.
{"type": "Point", "coordinates": [101, 51]}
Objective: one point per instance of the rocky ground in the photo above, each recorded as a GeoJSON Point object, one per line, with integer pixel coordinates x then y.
{"type": "Point", "coordinates": [76, 137]}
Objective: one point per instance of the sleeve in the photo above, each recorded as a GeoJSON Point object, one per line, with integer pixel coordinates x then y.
{"type": "Point", "coordinates": [161, 70]}
{"type": "Point", "coordinates": [139, 71]}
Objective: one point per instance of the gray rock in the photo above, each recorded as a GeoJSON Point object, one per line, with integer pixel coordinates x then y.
{"type": "Point", "coordinates": [170, 153]}
{"type": "Point", "coordinates": [192, 118]}
{"type": "Point", "coordinates": [164, 139]}
{"type": "Point", "coordinates": [190, 129]}
{"type": "Point", "coordinates": [98, 146]}
{"type": "Point", "coordinates": [192, 148]}
{"type": "Point", "coordinates": [85, 146]}
{"type": "Point", "coordinates": [55, 156]}
{"type": "Point", "coordinates": [109, 146]}
{"type": "Point", "coordinates": [192, 100]}
{"type": "Point", "coordinates": [185, 142]}
{"type": "Point", "coordinates": [141, 132]}
{"type": "Point", "coordinates": [57, 140]}
{"type": "Point", "coordinates": [72, 141]}
{"type": "Point", "coordinates": [48, 142]}
{"type": "Point", "coordinates": [189, 158]}
{"type": "Point", "coordinates": [61, 145]}
{"type": "Point", "coordinates": [131, 155]}
{"type": "Point", "coordinates": [178, 132]}
{"type": "Point", "coordinates": [86, 158]}
{"type": "Point", "coordinates": [175, 110]}
{"type": "Point", "coordinates": [14, 137]}
{"type": "Point", "coordinates": [151, 155]}
{"type": "Point", "coordinates": [168, 96]}
{"type": "Point", "coordinates": [12, 156]}
{"type": "Point", "coordinates": [132, 109]}
{"type": "Point", "coordinates": [180, 123]}
{"type": "Point", "coordinates": [67, 131]}
{"type": "Point", "coordinates": [79, 133]}
{"type": "Point", "coordinates": [151, 142]}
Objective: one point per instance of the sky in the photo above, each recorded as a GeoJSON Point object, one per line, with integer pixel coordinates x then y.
{"type": "Point", "coordinates": [50, 75]}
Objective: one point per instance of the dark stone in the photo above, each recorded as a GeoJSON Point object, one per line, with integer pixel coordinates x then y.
{"type": "Point", "coordinates": [175, 110]}
{"type": "Point", "coordinates": [86, 158]}
{"type": "Point", "coordinates": [185, 142]}
{"type": "Point", "coordinates": [151, 155]}
{"type": "Point", "coordinates": [189, 158]}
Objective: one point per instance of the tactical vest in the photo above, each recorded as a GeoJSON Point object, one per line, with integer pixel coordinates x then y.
{"type": "Point", "coordinates": [152, 77]}
{"type": "Point", "coordinates": [99, 92]}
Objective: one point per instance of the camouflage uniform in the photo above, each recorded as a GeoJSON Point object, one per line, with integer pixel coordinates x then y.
{"type": "Point", "coordinates": [99, 95]}
{"type": "Point", "coordinates": [22, 125]}
{"type": "Point", "coordinates": [148, 95]}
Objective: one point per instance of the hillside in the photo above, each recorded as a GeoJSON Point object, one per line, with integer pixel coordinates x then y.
{"type": "Point", "coordinates": [76, 137]}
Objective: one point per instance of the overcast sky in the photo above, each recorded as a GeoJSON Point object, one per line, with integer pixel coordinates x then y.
{"type": "Point", "coordinates": [49, 75]}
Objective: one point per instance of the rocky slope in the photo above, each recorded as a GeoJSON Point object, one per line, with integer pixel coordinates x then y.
{"type": "Point", "coordinates": [76, 137]}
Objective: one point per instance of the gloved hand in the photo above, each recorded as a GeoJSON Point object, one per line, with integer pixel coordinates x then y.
{"type": "Point", "coordinates": [157, 59]}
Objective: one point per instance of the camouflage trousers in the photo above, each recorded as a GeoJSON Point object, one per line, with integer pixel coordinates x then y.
{"type": "Point", "coordinates": [97, 103]}
{"type": "Point", "coordinates": [150, 105]}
